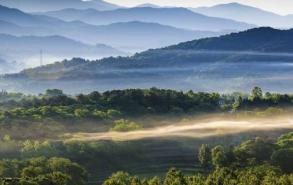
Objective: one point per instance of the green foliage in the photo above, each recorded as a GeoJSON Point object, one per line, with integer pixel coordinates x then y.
{"type": "Point", "coordinates": [175, 177]}
{"type": "Point", "coordinates": [204, 156]}
{"type": "Point", "coordinates": [119, 178]}
{"type": "Point", "coordinates": [53, 92]}
{"type": "Point", "coordinates": [196, 180]}
{"type": "Point", "coordinates": [155, 181]}
{"type": "Point", "coordinates": [108, 105]}
{"type": "Point", "coordinates": [286, 140]}
{"type": "Point", "coordinates": [256, 93]}
{"type": "Point", "coordinates": [219, 157]}
{"type": "Point", "coordinates": [256, 175]}
{"type": "Point", "coordinates": [134, 102]}
{"type": "Point", "coordinates": [43, 171]}
{"type": "Point", "coordinates": [255, 150]}
{"type": "Point", "coordinates": [284, 159]}
{"type": "Point", "coordinates": [221, 176]}
{"type": "Point", "coordinates": [123, 125]}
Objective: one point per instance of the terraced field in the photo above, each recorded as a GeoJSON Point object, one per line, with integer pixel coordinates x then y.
{"type": "Point", "coordinates": [158, 149]}
{"type": "Point", "coordinates": [153, 157]}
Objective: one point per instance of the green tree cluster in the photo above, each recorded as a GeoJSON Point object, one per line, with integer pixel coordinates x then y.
{"type": "Point", "coordinates": [42, 171]}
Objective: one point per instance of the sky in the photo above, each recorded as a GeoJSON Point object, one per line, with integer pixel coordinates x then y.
{"type": "Point", "coordinates": [282, 7]}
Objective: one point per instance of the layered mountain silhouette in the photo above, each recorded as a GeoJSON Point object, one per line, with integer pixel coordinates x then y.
{"type": "Point", "coordinates": [137, 36]}
{"type": "Point", "coordinates": [26, 49]}
{"type": "Point", "coordinates": [89, 30]}
{"type": "Point", "coordinates": [238, 61]}
{"type": "Point", "coordinates": [149, 5]}
{"type": "Point", "coordinates": [129, 36]}
{"type": "Point", "coordinates": [7, 67]}
{"type": "Point", "coordinates": [166, 16]}
{"type": "Point", "coordinates": [259, 44]}
{"type": "Point", "coordinates": [247, 14]}
{"type": "Point", "coordinates": [50, 5]}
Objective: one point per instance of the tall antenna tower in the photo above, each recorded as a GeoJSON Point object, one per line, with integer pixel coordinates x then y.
{"type": "Point", "coordinates": [41, 57]}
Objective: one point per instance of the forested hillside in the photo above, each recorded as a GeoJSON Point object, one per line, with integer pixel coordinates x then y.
{"type": "Point", "coordinates": [264, 39]}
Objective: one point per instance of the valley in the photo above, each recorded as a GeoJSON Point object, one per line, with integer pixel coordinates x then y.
{"type": "Point", "coordinates": [112, 92]}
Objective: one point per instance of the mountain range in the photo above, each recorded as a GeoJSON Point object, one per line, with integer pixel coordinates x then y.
{"type": "Point", "coordinates": [138, 36]}
{"type": "Point", "coordinates": [50, 5]}
{"type": "Point", "coordinates": [247, 14]}
{"type": "Point", "coordinates": [166, 16]}
{"type": "Point", "coordinates": [55, 48]}
{"type": "Point", "coordinates": [128, 36]}
{"type": "Point", "coordinates": [149, 5]}
{"type": "Point", "coordinates": [197, 65]}
{"type": "Point", "coordinates": [7, 67]}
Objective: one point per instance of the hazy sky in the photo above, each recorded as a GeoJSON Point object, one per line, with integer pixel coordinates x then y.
{"type": "Point", "coordinates": [277, 6]}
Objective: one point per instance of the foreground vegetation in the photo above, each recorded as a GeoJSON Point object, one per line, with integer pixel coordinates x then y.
{"type": "Point", "coordinates": [258, 161]}
{"type": "Point", "coordinates": [34, 150]}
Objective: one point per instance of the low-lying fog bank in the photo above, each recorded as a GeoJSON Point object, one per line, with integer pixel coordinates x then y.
{"type": "Point", "coordinates": [192, 129]}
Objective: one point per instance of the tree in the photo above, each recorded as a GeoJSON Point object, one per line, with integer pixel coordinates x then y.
{"type": "Point", "coordinates": [123, 125]}
{"type": "Point", "coordinates": [154, 181]}
{"type": "Point", "coordinates": [286, 140]}
{"type": "Point", "coordinates": [237, 104]}
{"type": "Point", "coordinates": [256, 93]}
{"type": "Point", "coordinates": [221, 176]}
{"type": "Point", "coordinates": [256, 175]}
{"type": "Point", "coordinates": [218, 156]}
{"type": "Point", "coordinates": [254, 150]}
{"type": "Point", "coordinates": [204, 156]}
{"type": "Point", "coordinates": [53, 92]}
{"type": "Point", "coordinates": [119, 178]}
{"type": "Point", "coordinates": [174, 177]}
{"type": "Point", "coordinates": [135, 181]}
{"type": "Point", "coordinates": [59, 178]}
{"type": "Point", "coordinates": [31, 171]}
{"type": "Point", "coordinates": [196, 180]}
{"type": "Point", "coordinates": [284, 159]}
{"type": "Point", "coordinates": [77, 174]}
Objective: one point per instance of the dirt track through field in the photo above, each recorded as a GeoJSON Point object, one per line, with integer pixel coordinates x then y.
{"type": "Point", "coordinates": [190, 129]}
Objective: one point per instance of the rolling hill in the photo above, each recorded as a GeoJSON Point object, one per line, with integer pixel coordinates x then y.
{"type": "Point", "coordinates": [51, 5]}
{"type": "Point", "coordinates": [166, 16]}
{"type": "Point", "coordinates": [247, 14]}
{"type": "Point", "coordinates": [263, 39]}
{"type": "Point", "coordinates": [213, 64]}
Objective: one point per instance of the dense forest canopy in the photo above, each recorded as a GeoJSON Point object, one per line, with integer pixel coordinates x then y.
{"type": "Point", "coordinates": [132, 102]}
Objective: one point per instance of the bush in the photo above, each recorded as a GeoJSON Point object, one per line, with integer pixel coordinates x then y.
{"type": "Point", "coordinates": [123, 125]}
